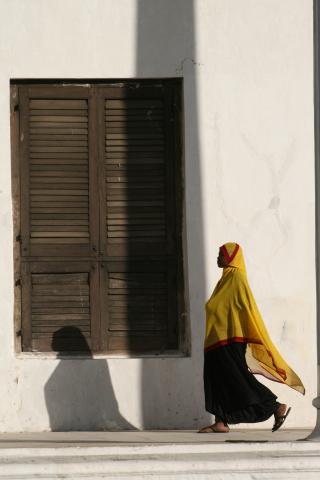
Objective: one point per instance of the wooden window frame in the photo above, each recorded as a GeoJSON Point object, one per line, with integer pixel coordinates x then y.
{"type": "Point", "coordinates": [90, 262]}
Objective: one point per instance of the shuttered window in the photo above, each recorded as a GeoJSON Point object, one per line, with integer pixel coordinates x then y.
{"type": "Point", "coordinates": [99, 216]}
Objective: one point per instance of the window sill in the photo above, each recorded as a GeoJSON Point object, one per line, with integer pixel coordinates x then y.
{"type": "Point", "coordinates": [55, 356]}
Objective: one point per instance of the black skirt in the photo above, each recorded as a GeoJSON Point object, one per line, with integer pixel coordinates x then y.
{"type": "Point", "coordinates": [232, 392]}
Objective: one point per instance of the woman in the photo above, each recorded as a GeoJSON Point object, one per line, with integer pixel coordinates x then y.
{"type": "Point", "coordinates": [236, 346]}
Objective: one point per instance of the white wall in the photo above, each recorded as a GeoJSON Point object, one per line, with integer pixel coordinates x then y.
{"type": "Point", "coordinates": [249, 173]}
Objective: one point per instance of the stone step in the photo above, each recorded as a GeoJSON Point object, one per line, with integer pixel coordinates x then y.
{"type": "Point", "coordinates": [214, 461]}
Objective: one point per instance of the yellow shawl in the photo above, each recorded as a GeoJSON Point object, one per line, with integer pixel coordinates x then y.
{"type": "Point", "coordinates": [233, 316]}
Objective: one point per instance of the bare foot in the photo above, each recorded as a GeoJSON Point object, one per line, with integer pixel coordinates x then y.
{"type": "Point", "coordinates": [217, 427]}
{"type": "Point", "coordinates": [281, 410]}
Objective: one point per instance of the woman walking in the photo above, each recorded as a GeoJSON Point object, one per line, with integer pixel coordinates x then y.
{"type": "Point", "coordinates": [237, 345]}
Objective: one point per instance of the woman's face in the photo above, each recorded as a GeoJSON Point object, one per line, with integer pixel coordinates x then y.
{"type": "Point", "coordinates": [221, 261]}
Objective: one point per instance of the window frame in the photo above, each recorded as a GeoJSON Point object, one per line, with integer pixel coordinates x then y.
{"type": "Point", "coordinates": [182, 316]}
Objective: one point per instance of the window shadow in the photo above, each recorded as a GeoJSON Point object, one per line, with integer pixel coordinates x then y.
{"type": "Point", "coordinates": [172, 388]}
{"type": "Point", "coordinates": [79, 394]}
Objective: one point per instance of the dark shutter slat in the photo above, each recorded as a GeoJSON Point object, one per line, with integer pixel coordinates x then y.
{"type": "Point", "coordinates": [62, 301]}
{"type": "Point", "coordinates": [133, 136]}
{"type": "Point", "coordinates": [56, 137]}
{"type": "Point", "coordinates": [72, 132]}
{"type": "Point", "coordinates": [58, 117]}
{"type": "Point", "coordinates": [53, 142]}
{"type": "Point", "coordinates": [59, 167]}
{"type": "Point", "coordinates": [43, 310]}
{"type": "Point", "coordinates": [54, 104]}
{"type": "Point", "coordinates": [54, 172]}
{"type": "Point", "coordinates": [61, 222]}
{"type": "Point", "coordinates": [57, 162]}
{"type": "Point", "coordinates": [65, 111]}
{"type": "Point", "coordinates": [82, 157]}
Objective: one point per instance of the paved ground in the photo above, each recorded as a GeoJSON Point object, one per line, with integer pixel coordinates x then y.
{"type": "Point", "coordinates": [104, 439]}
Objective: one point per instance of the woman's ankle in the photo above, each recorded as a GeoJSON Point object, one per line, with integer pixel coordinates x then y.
{"type": "Point", "coordinates": [280, 409]}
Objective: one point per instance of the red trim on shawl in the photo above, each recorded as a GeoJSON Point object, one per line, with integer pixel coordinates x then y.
{"type": "Point", "coordinates": [226, 255]}
{"type": "Point", "coordinates": [281, 372]}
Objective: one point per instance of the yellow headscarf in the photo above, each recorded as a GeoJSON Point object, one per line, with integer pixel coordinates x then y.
{"type": "Point", "coordinates": [232, 315]}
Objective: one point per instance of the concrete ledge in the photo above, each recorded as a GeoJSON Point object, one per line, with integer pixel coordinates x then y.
{"type": "Point", "coordinates": [81, 439]}
{"type": "Point", "coordinates": [240, 455]}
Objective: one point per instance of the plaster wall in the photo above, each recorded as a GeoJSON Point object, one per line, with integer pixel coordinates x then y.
{"type": "Point", "coordinates": [249, 177]}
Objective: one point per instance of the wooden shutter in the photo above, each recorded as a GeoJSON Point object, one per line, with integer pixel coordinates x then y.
{"type": "Point", "coordinates": [57, 167]}
{"type": "Point", "coordinates": [101, 257]}
{"type": "Point", "coordinates": [59, 306]}
{"type": "Point", "coordinates": [139, 305]}
{"type": "Point", "coordinates": [59, 218]}
{"type": "Point", "coordinates": [139, 218]}
{"type": "Point", "coordinates": [135, 175]}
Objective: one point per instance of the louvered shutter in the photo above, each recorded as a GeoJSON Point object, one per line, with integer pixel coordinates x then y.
{"type": "Point", "coordinates": [59, 306]}
{"type": "Point", "coordinates": [59, 219]}
{"type": "Point", "coordinates": [58, 208]}
{"type": "Point", "coordinates": [139, 233]}
{"type": "Point", "coordinates": [100, 216]}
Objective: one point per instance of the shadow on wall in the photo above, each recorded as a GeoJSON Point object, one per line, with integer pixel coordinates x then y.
{"type": "Point", "coordinates": [79, 394]}
{"type": "Point", "coordinates": [172, 388]}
